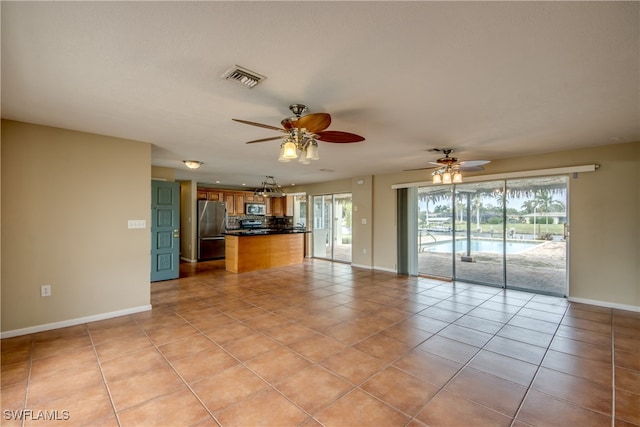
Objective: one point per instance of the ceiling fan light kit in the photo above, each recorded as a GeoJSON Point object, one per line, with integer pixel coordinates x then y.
{"type": "Point", "coordinates": [446, 175]}
{"type": "Point", "coordinates": [302, 134]}
{"type": "Point", "coordinates": [450, 169]}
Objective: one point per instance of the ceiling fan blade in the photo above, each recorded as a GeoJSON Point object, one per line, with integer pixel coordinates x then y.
{"type": "Point", "coordinates": [314, 123]}
{"type": "Point", "coordinates": [471, 168]}
{"type": "Point", "coordinates": [246, 122]}
{"type": "Point", "coordinates": [417, 169]}
{"type": "Point", "coordinates": [289, 123]}
{"type": "Point", "coordinates": [474, 163]}
{"type": "Point", "coordinates": [264, 139]}
{"type": "Point", "coordinates": [337, 136]}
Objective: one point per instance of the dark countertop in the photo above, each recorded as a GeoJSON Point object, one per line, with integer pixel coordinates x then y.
{"type": "Point", "coordinates": [265, 231]}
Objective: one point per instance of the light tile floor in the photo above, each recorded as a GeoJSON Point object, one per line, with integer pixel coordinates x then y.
{"type": "Point", "coordinates": [327, 344]}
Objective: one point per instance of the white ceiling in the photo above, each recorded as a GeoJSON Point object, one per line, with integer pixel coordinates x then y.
{"type": "Point", "coordinates": [489, 79]}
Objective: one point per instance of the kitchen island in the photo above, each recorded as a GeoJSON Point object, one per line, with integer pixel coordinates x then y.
{"type": "Point", "coordinates": [250, 250]}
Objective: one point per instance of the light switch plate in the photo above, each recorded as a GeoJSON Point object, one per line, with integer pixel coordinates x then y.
{"type": "Point", "coordinates": [137, 223]}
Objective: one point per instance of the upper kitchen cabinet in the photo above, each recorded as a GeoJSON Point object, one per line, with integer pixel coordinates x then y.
{"type": "Point", "coordinates": [282, 206]}
{"type": "Point", "coordinates": [230, 200]}
{"type": "Point", "coordinates": [208, 194]}
{"type": "Point", "coordinates": [215, 196]}
{"type": "Point", "coordinates": [252, 198]}
{"type": "Point", "coordinates": [236, 200]}
{"type": "Point", "coordinates": [239, 203]}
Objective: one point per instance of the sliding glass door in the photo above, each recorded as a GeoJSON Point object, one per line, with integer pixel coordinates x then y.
{"type": "Point", "coordinates": [479, 233]}
{"type": "Point", "coordinates": [509, 233]}
{"type": "Point", "coordinates": [332, 227]}
{"type": "Point", "coordinates": [435, 231]}
{"type": "Point", "coordinates": [537, 230]}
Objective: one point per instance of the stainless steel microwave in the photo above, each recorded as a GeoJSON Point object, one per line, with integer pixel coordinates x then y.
{"type": "Point", "coordinates": [254, 208]}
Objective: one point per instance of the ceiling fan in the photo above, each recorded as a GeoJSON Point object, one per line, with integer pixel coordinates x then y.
{"type": "Point", "coordinates": [301, 133]}
{"type": "Point", "coordinates": [449, 168]}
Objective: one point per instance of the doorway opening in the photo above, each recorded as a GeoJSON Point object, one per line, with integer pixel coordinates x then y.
{"type": "Point", "coordinates": [332, 227]}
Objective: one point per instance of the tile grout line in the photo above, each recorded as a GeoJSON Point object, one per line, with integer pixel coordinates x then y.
{"type": "Point", "coordinates": [240, 362]}
{"type": "Point", "coordinates": [414, 418]}
{"type": "Point", "coordinates": [313, 363]}
{"type": "Point", "coordinates": [26, 392]}
{"type": "Point", "coordinates": [613, 370]}
{"type": "Point", "coordinates": [535, 375]}
{"type": "Point", "coordinates": [186, 383]}
{"type": "Point", "coordinates": [104, 379]}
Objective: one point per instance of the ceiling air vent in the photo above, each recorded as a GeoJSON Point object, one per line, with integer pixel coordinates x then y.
{"type": "Point", "coordinates": [243, 76]}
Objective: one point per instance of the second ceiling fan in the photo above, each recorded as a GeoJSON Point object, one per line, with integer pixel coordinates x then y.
{"type": "Point", "coordinates": [301, 133]}
{"type": "Point", "coordinates": [449, 168]}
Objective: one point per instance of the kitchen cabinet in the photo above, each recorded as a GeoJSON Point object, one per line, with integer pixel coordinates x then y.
{"type": "Point", "coordinates": [235, 201]}
{"type": "Point", "coordinates": [259, 252]}
{"type": "Point", "coordinates": [282, 206]}
{"type": "Point", "coordinates": [239, 203]}
{"type": "Point", "coordinates": [209, 194]}
{"type": "Point", "coordinates": [277, 206]}
{"type": "Point", "coordinates": [229, 199]}
{"type": "Point", "coordinates": [215, 196]}
{"type": "Point", "coordinates": [252, 198]}
{"type": "Point", "coordinates": [288, 206]}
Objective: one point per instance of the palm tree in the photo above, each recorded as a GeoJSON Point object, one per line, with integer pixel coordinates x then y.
{"type": "Point", "coordinates": [543, 201]}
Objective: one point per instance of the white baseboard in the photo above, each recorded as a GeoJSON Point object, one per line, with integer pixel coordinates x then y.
{"type": "Point", "coordinates": [188, 259]}
{"type": "Point", "coordinates": [73, 322]}
{"type": "Point", "coordinates": [368, 267]}
{"type": "Point", "coordinates": [605, 304]}
{"type": "Point", "coordinates": [390, 270]}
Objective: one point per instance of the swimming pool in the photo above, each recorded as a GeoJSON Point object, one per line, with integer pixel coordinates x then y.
{"type": "Point", "coordinates": [494, 246]}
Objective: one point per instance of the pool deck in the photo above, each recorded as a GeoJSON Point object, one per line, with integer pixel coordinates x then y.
{"type": "Point", "coordinates": [541, 269]}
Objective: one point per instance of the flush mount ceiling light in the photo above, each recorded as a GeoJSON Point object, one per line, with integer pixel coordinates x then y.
{"type": "Point", "coordinates": [192, 164]}
{"type": "Point", "coordinates": [269, 188]}
{"type": "Point", "coordinates": [243, 76]}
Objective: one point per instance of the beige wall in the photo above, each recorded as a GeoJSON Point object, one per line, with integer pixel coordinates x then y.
{"type": "Point", "coordinates": [66, 200]}
{"type": "Point", "coordinates": [188, 220]}
{"type": "Point", "coordinates": [362, 207]}
{"type": "Point", "coordinates": [162, 173]}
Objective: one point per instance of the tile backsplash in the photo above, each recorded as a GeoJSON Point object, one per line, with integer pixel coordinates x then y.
{"type": "Point", "coordinates": [233, 222]}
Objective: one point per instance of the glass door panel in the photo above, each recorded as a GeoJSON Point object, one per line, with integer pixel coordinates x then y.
{"type": "Point", "coordinates": [322, 227]}
{"type": "Point", "coordinates": [479, 233]}
{"type": "Point", "coordinates": [332, 227]}
{"type": "Point", "coordinates": [536, 234]}
{"type": "Point", "coordinates": [435, 231]}
{"type": "Point", "coordinates": [342, 229]}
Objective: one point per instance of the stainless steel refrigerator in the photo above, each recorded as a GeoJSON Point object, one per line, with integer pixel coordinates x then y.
{"type": "Point", "coordinates": [212, 222]}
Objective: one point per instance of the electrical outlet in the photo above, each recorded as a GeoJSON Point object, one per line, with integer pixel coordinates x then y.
{"type": "Point", "coordinates": [364, 251]}
{"type": "Point", "coordinates": [45, 290]}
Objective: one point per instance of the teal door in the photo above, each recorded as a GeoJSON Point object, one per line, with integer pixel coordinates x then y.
{"type": "Point", "coordinates": [165, 230]}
